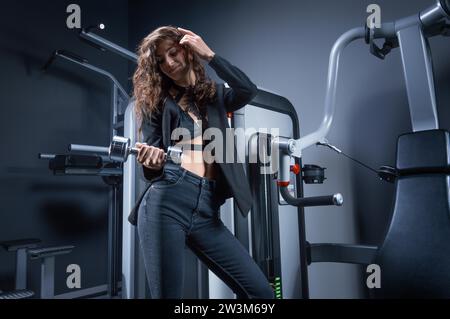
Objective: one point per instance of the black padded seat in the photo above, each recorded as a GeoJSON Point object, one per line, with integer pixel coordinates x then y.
{"type": "Point", "coordinates": [49, 252]}
{"type": "Point", "coordinates": [15, 245]}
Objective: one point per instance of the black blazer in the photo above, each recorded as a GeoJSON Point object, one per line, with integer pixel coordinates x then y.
{"type": "Point", "coordinates": [232, 181]}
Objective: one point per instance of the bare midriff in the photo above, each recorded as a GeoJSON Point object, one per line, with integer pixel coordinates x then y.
{"type": "Point", "coordinates": [193, 160]}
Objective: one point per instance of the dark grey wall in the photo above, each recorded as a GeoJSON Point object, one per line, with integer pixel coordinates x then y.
{"type": "Point", "coordinates": [44, 113]}
{"type": "Point", "coordinates": [284, 46]}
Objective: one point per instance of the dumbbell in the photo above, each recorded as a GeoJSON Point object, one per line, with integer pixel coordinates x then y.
{"type": "Point", "coordinates": [120, 149]}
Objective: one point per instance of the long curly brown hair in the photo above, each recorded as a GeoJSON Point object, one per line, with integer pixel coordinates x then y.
{"type": "Point", "coordinates": [151, 86]}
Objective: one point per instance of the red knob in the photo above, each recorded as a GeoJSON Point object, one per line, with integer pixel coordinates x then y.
{"type": "Point", "coordinates": [282, 184]}
{"type": "Point", "coordinates": [295, 169]}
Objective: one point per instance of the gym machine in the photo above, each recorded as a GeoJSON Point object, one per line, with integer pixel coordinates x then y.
{"type": "Point", "coordinates": [83, 160]}
{"type": "Point", "coordinates": [414, 258]}
{"type": "Point", "coordinates": [271, 219]}
{"type": "Point", "coordinates": [95, 164]}
{"type": "Point", "coordinates": [28, 249]}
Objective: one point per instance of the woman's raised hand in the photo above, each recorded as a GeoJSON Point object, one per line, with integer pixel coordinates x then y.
{"type": "Point", "coordinates": [196, 44]}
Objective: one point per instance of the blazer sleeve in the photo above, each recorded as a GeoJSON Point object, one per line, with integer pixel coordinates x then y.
{"type": "Point", "coordinates": [241, 90]}
{"type": "Point", "coordinates": [152, 133]}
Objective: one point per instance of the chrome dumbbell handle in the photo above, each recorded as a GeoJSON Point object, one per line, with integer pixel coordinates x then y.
{"type": "Point", "coordinates": [173, 153]}
{"type": "Point", "coordinates": [120, 149]}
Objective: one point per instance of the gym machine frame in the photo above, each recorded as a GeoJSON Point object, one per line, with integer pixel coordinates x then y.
{"type": "Point", "coordinates": [410, 34]}
{"type": "Point", "coordinates": [111, 175]}
{"type": "Point", "coordinates": [272, 102]}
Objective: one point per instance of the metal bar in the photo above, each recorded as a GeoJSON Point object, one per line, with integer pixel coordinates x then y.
{"type": "Point", "coordinates": [112, 242]}
{"type": "Point", "coordinates": [116, 239]}
{"type": "Point", "coordinates": [114, 111]}
{"type": "Point", "coordinates": [95, 69]}
{"type": "Point", "coordinates": [108, 45]}
{"type": "Point", "coordinates": [21, 269]}
{"type": "Point", "coordinates": [330, 98]}
{"type": "Point", "coordinates": [341, 253]}
{"type": "Point", "coordinates": [129, 243]}
{"type": "Point", "coordinates": [418, 72]}
{"type": "Point", "coordinates": [91, 172]}
{"type": "Point", "coordinates": [92, 150]}
{"type": "Point", "coordinates": [48, 278]}
{"type": "Point", "coordinates": [435, 13]}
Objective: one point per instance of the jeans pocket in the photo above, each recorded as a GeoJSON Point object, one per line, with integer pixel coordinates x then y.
{"type": "Point", "coordinates": [169, 179]}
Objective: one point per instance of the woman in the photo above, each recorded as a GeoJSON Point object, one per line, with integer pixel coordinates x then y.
{"type": "Point", "coordinates": [181, 207]}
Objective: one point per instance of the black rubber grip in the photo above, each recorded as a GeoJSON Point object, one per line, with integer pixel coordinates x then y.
{"type": "Point", "coordinates": [332, 200]}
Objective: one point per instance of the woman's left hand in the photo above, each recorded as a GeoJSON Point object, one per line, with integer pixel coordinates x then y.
{"type": "Point", "coordinates": [196, 44]}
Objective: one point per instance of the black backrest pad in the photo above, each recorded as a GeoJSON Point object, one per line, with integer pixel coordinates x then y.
{"type": "Point", "coordinates": [415, 255]}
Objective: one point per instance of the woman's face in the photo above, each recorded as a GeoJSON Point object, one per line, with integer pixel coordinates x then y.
{"type": "Point", "coordinates": [171, 58]}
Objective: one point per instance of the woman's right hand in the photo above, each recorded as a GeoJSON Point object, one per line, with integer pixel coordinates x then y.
{"type": "Point", "coordinates": [150, 156]}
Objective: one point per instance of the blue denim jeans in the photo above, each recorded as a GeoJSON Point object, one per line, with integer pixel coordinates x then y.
{"type": "Point", "coordinates": [180, 209]}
